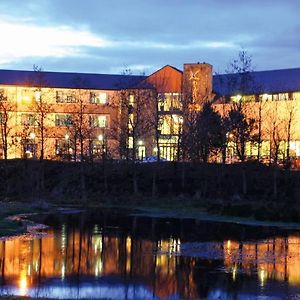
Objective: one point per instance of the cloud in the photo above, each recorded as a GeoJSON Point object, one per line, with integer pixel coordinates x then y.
{"type": "Point", "coordinates": [105, 35]}
{"type": "Point", "coordinates": [21, 40]}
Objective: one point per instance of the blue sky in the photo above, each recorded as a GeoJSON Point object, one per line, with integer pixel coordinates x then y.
{"type": "Point", "coordinates": [107, 36]}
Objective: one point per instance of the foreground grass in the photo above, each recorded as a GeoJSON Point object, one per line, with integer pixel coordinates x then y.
{"type": "Point", "coordinates": [9, 227]}
{"type": "Point", "coordinates": [249, 212]}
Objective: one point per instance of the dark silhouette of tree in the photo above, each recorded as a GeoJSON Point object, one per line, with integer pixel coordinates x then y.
{"type": "Point", "coordinates": [40, 106]}
{"type": "Point", "coordinates": [6, 109]}
{"type": "Point", "coordinates": [241, 83]}
{"type": "Point", "coordinates": [208, 132]}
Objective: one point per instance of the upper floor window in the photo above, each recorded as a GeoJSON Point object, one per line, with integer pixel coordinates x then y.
{"type": "Point", "coordinates": [3, 96]}
{"type": "Point", "coordinates": [65, 97]}
{"type": "Point", "coordinates": [63, 120]}
{"type": "Point", "coordinates": [100, 121]}
{"type": "Point", "coordinates": [169, 101]}
{"type": "Point", "coordinates": [276, 97]}
{"type": "Point", "coordinates": [265, 97]}
{"type": "Point", "coordinates": [28, 120]}
{"type": "Point", "coordinates": [98, 97]}
{"type": "Point", "coordinates": [37, 95]}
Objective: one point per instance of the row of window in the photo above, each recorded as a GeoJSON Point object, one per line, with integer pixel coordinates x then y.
{"type": "Point", "coordinates": [71, 97]}
{"type": "Point", "coordinates": [263, 97]}
{"type": "Point", "coordinates": [97, 121]}
{"type": "Point", "coordinates": [61, 96]}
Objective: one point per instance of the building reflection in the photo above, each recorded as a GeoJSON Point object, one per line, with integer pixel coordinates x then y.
{"type": "Point", "coordinates": [275, 259]}
{"type": "Point", "coordinates": [68, 253]}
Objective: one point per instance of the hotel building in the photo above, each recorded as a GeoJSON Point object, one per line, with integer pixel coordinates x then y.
{"type": "Point", "coordinates": [60, 115]}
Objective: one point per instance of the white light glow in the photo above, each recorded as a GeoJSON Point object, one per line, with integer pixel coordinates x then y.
{"type": "Point", "coordinates": [32, 135]}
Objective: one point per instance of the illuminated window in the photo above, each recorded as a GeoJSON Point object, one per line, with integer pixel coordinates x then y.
{"type": "Point", "coordinates": [100, 121]}
{"type": "Point", "coordinates": [266, 97]}
{"type": "Point", "coordinates": [283, 96]}
{"type": "Point", "coordinates": [169, 101]}
{"type": "Point", "coordinates": [65, 97]}
{"type": "Point", "coordinates": [131, 122]}
{"type": "Point", "coordinates": [131, 99]}
{"type": "Point", "coordinates": [236, 98]}
{"type": "Point", "coordinates": [98, 98]}
{"type": "Point", "coordinates": [130, 142]}
{"type": "Point", "coordinates": [63, 120]}
{"type": "Point", "coordinates": [37, 95]}
{"type": "Point", "coordinates": [3, 96]}
{"type": "Point", "coordinates": [28, 120]}
{"type": "Point", "coordinates": [130, 104]}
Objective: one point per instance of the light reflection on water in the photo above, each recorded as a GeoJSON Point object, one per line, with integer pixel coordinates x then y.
{"type": "Point", "coordinates": [100, 259]}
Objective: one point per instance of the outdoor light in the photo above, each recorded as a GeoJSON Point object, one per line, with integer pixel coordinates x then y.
{"type": "Point", "coordinates": [238, 98]}
{"type": "Point", "coordinates": [26, 98]}
{"type": "Point", "coordinates": [100, 137]}
{"type": "Point", "coordinates": [67, 136]}
{"type": "Point", "coordinates": [32, 135]}
{"type": "Point", "coordinates": [140, 143]}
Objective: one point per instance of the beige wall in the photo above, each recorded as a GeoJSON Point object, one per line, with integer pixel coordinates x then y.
{"type": "Point", "coordinates": [22, 101]}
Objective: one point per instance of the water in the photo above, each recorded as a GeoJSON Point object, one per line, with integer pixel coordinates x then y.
{"type": "Point", "coordinates": [108, 255]}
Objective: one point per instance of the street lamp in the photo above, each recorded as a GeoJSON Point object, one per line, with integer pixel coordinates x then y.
{"type": "Point", "coordinates": [141, 149]}
{"type": "Point", "coordinates": [32, 135]}
{"type": "Point", "coordinates": [67, 138]}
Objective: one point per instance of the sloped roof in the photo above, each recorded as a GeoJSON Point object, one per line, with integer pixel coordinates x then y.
{"type": "Point", "coordinates": [69, 80]}
{"type": "Point", "coordinates": [165, 80]}
{"type": "Point", "coordinates": [275, 81]}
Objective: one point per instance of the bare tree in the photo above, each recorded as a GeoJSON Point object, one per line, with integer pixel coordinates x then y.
{"type": "Point", "coordinates": [5, 123]}
{"type": "Point", "coordinates": [242, 83]}
{"type": "Point", "coordinates": [291, 109]}
{"type": "Point", "coordinates": [40, 106]}
{"type": "Point", "coordinates": [275, 130]}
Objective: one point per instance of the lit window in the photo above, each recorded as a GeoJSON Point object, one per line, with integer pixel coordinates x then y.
{"type": "Point", "coordinates": [102, 120]}
{"type": "Point", "coordinates": [65, 97]}
{"type": "Point", "coordinates": [63, 120]}
{"type": "Point", "coordinates": [283, 96]}
{"type": "Point", "coordinates": [131, 99]}
{"type": "Point", "coordinates": [37, 95]}
{"type": "Point", "coordinates": [98, 98]}
{"type": "Point", "coordinates": [28, 120]}
{"type": "Point", "coordinates": [266, 97]}
{"type": "Point", "coordinates": [99, 121]}
{"type": "Point", "coordinates": [130, 142]}
{"type": "Point", "coordinates": [236, 98]}
{"type": "Point", "coordinates": [3, 96]}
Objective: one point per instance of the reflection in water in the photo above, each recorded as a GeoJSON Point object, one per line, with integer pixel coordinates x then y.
{"type": "Point", "coordinates": [277, 258]}
{"type": "Point", "coordinates": [103, 260]}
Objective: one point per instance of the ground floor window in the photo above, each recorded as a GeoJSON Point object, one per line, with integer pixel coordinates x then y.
{"type": "Point", "coordinates": [29, 148]}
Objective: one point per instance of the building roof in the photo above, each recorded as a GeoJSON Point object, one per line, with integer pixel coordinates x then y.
{"type": "Point", "coordinates": [275, 81]}
{"type": "Point", "coordinates": [271, 82]}
{"type": "Point", "coordinates": [69, 80]}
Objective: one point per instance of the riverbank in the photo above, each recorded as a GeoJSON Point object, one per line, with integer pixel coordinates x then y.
{"type": "Point", "coordinates": [8, 226]}
{"type": "Point", "coordinates": [250, 191]}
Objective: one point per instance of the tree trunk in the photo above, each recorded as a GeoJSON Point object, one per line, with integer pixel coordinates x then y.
{"type": "Point", "coordinates": [244, 178]}
{"type": "Point", "coordinates": [275, 192]}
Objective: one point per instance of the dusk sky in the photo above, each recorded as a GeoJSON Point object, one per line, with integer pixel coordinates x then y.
{"type": "Point", "coordinates": [107, 36]}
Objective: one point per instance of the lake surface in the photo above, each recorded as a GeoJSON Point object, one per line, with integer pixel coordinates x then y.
{"type": "Point", "coordinates": [110, 255]}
